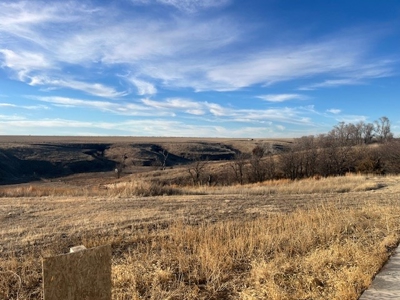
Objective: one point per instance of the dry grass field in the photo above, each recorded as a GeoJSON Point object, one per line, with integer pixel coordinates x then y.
{"type": "Point", "coordinates": [309, 239]}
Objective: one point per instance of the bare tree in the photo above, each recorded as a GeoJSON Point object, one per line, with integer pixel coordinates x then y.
{"type": "Point", "coordinates": [307, 149]}
{"type": "Point", "coordinates": [335, 155]}
{"type": "Point", "coordinates": [196, 170]}
{"type": "Point", "coordinates": [121, 165]}
{"type": "Point", "coordinates": [270, 167]}
{"type": "Point", "coordinates": [238, 166]}
{"type": "Point", "coordinates": [382, 129]}
{"type": "Point", "coordinates": [257, 171]}
{"type": "Point", "coordinates": [368, 133]}
{"type": "Point", "coordinates": [163, 158]}
{"type": "Point", "coordinates": [390, 153]}
{"type": "Point", "coordinates": [369, 160]}
{"type": "Point", "coordinates": [291, 163]}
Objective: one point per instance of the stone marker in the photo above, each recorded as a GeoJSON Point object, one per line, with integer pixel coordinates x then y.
{"type": "Point", "coordinates": [77, 249]}
{"type": "Point", "coordinates": [386, 284]}
{"type": "Point", "coordinates": [82, 274]}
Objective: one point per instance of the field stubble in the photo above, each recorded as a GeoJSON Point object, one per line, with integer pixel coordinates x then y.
{"type": "Point", "coordinates": [311, 239]}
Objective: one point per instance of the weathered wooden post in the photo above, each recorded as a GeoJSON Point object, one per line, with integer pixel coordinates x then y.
{"type": "Point", "coordinates": [82, 274]}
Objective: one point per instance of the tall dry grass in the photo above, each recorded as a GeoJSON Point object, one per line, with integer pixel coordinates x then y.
{"type": "Point", "coordinates": [323, 253]}
{"type": "Point", "coordinates": [327, 251]}
{"type": "Point", "coordinates": [40, 190]}
{"type": "Point", "coordinates": [143, 188]}
{"type": "Point", "coordinates": [342, 184]}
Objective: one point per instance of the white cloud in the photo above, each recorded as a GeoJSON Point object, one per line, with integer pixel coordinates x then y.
{"type": "Point", "coordinates": [331, 83]}
{"type": "Point", "coordinates": [127, 109]}
{"type": "Point", "coordinates": [143, 45]}
{"type": "Point", "coordinates": [10, 118]}
{"type": "Point", "coordinates": [170, 107]}
{"type": "Point", "coordinates": [294, 115]}
{"type": "Point", "coordinates": [29, 107]}
{"type": "Point", "coordinates": [281, 97]}
{"type": "Point", "coordinates": [334, 111]}
{"type": "Point", "coordinates": [177, 104]}
{"type": "Point", "coordinates": [26, 64]}
{"type": "Point", "coordinates": [24, 60]}
{"type": "Point", "coordinates": [187, 5]}
{"type": "Point", "coordinates": [177, 52]}
{"type": "Point", "coordinates": [143, 87]}
{"type": "Point", "coordinates": [280, 127]}
{"type": "Point", "coordinates": [155, 127]}
{"type": "Point", "coordinates": [288, 115]}
{"type": "Point", "coordinates": [96, 89]}
{"type": "Point", "coordinates": [288, 63]}
{"type": "Point", "coordinates": [218, 110]}
{"type": "Point", "coordinates": [357, 76]}
{"type": "Point", "coordinates": [351, 118]}
{"type": "Point", "coordinates": [7, 105]}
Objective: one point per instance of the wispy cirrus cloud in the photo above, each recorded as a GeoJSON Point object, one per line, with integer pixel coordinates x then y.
{"type": "Point", "coordinates": [293, 115]}
{"type": "Point", "coordinates": [29, 67]}
{"type": "Point", "coordinates": [351, 118]}
{"type": "Point", "coordinates": [282, 97]}
{"type": "Point", "coordinates": [24, 60]}
{"type": "Point", "coordinates": [201, 54]}
{"type": "Point", "coordinates": [29, 107]}
{"type": "Point", "coordinates": [8, 118]}
{"type": "Point", "coordinates": [186, 5]}
{"type": "Point", "coordinates": [96, 89]}
{"type": "Point", "coordinates": [334, 111]}
{"type": "Point", "coordinates": [142, 45]}
{"type": "Point", "coordinates": [176, 53]}
{"type": "Point", "coordinates": [143, 87]}
{"type": "Point", "coordinates": [331, 83]}
{"type": "Point", "coordinates": [334, 56]}
{"type": "Point", "coordinates": [171, 107]}
{"type": "Point", "coordinates": [358, 76]}
{"type": "Point", "coordinates": [7, 105]}
{"type": "Point", "coordinates": [178, 104]}
{"type": "Point", "coordinates": [127, 109]}
{"type": "Point", "coordinates": [155, 127]}
{"type": "Point", "coordinates": [339, 116]}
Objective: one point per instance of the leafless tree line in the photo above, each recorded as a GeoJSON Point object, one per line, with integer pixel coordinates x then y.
{"type": "Point", "coordinates": [361, 147]}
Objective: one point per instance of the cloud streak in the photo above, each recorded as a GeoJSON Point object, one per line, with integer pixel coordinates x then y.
{"type": "Point", "coordinates": [178, 53]}
{"type": "Point", "coordinates": [155, 127]}
{"type": "Point", "coordinates": [281, 97]}
{"type": "Point", "coordinates": [126, 109]}
{"type": "Point", "coordinates": [190, 6]}
{"type": "Point", "coordinates": [185, 61]}
{"type": "Point", "coordinates": [171, 107]}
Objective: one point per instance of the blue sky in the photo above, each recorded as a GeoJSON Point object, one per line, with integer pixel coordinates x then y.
{"type": "Point", "coordinates": [211, 68]}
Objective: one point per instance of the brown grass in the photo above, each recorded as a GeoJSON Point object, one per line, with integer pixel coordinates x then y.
{"type": "Point", "coordinates": [341, 184]}
{"type": "Point", "coordinates": [144, 188]}
{"type": "Point", "coordinates": [324, 253]}
{"type": "Point", "coordinates": [300, 242]}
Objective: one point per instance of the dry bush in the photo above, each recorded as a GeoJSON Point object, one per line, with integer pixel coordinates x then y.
{"type": "Point", "coordinates": [140, 188]}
